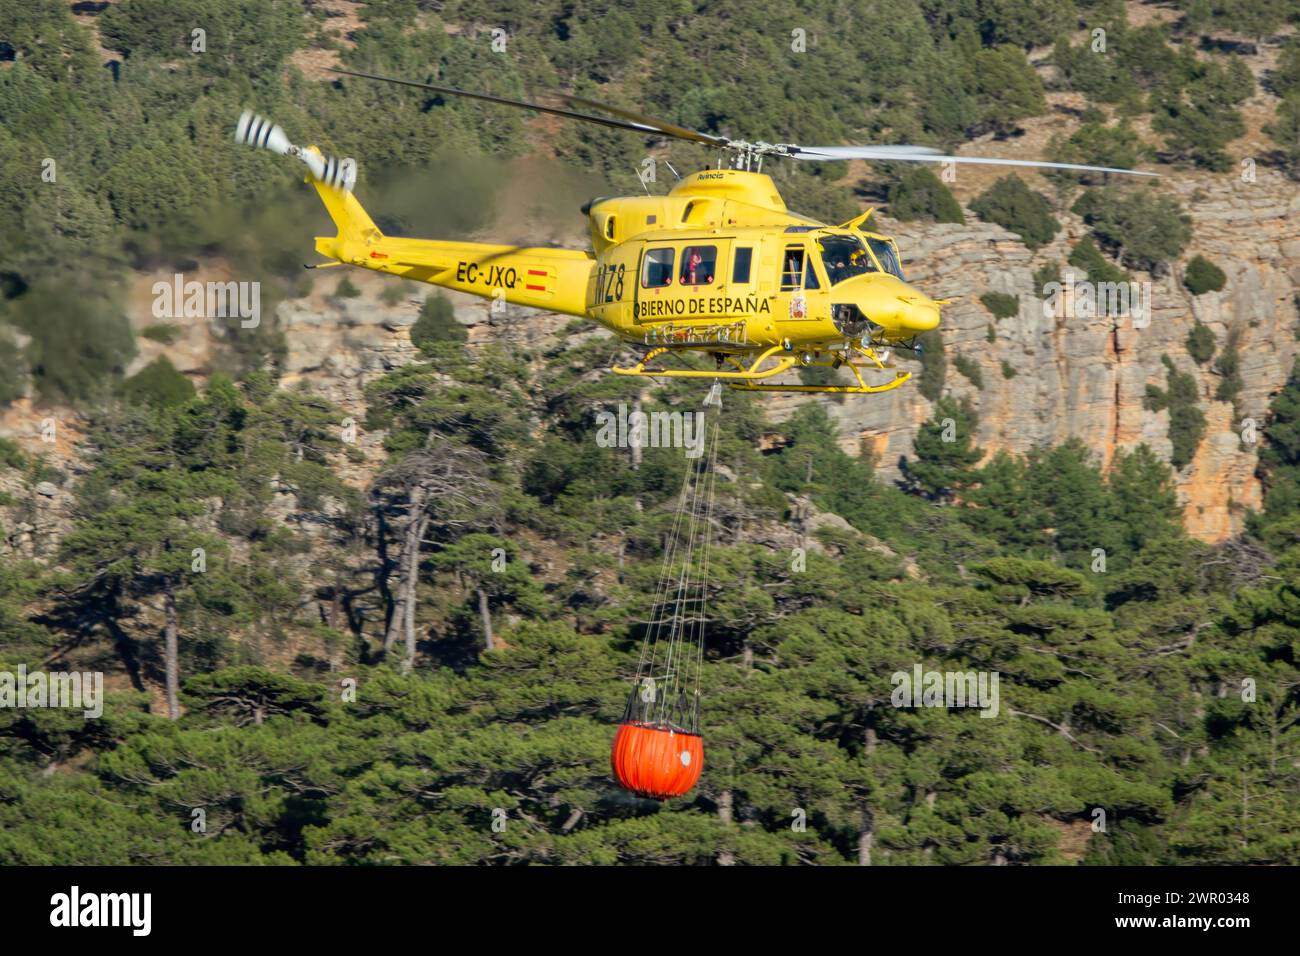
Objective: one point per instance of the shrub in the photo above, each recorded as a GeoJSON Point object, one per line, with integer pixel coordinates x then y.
{"type": "Point", "coordinates": [1014, 206]}
{"type": "Point", "coordinates": [1002, 305]}
{"type": "Point", "coordinates": [968, 368]}
{"type": "Point", "coordinates": [1095, 144]}
{"type": "Point", "coordinates": [13, 370]}
{"type": "Point", "coordinates": [1142, 229]}
{"type": "Point", "coordinates": [1088, 257]}
{"type": "Point", "coordinates": [1195, 112]}
{"type": "Point", "coordinates": [159, 384]}
{"type": "Point", "coordinates": [164, 333]}
{"type": "Point", "coordinates": [436, 324]}
{"type": "Point", "coordinates": [1200, 343]}
{"type": "Point", "coordinates": [11, 456]}
{"type": "Point", "coordinates": [1203, 276]}
{"type": "Point", "coordinates": [934, 365]}
{"type": "Point", "coordinates": [1186, 420]}
{"type": "Point", "coordinates": [1008, 89]}
{"type": "Point", "coordinates": [1228, 365]}
{"type": "Point", "coordinates": [1046, 274]}
{"type": "Point", "coordinates": [920, 194]}
{"type": "Point", "coordinates": [1285, 131]}
{"type": "Point", "coordinates": [80, 340]}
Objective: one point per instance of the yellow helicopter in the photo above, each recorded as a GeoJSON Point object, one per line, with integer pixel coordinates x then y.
{"type": "Point", "coordinates": [719, 265]}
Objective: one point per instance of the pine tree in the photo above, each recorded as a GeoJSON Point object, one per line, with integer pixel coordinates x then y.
{"type": "Point", "coordinates": [945, 452]}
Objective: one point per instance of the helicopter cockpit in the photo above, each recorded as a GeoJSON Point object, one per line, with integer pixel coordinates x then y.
{"type": "Point", "coordinates": [846, 256]}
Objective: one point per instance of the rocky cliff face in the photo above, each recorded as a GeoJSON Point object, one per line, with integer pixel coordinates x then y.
{"type": "Point", "coordinates": [1086, 377]}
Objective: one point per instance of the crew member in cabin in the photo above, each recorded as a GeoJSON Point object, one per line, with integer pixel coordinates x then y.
{"type": "Point", "coordinates": [693, 266]}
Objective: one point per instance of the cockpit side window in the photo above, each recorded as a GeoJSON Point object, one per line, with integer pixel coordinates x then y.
{"type": "Point", "coordinates": [888, 258]}
{"type": "Point", "coordinates": [810, 276]}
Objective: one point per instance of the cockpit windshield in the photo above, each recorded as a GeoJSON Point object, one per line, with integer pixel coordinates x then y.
{"type": "Point", "coordinates": [885, 253]}
{"type": "Point", "coordinates": [844, 257]}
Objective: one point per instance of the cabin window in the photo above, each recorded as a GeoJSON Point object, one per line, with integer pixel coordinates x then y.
{"type": "Point", "coordinates": [792, 268]}
{"type": "Point", "coordinates": [740, 268]}
{"type": "Point", "coordinates": [699, 264]}
{"type": "Point", "coordinates": [657, 270]}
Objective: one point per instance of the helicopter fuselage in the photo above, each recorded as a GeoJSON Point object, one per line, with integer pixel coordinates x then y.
{"type": "Point", "coordinates": [719, 261]}
{"type": "Point", "coordinates": [718, 265]}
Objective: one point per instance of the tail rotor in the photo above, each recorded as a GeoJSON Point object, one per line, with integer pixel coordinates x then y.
{"type": "Point", "coordinates": [254, 130]}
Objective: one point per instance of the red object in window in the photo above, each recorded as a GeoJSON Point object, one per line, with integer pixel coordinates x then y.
{"type": "Point", "coordinates": [695, 261]}
{"type": "Point", "coordinates": [656, 761]}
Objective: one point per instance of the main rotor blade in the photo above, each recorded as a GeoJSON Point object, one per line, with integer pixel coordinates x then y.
{"type": "Point", "coordinates": [648, 126]}
{"type": "Point", "coordinates": [826, 153]}
{"type": "Point", "coordinates": [908, 150]}
{"type": "Point", "coordinates": [670, 129]}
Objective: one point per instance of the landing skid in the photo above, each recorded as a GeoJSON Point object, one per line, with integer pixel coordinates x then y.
{"type": "Point", "coordinates": [750, 378]}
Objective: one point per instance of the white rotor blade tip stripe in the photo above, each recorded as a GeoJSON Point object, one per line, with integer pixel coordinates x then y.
{"type": "Point", "coordinates": [854, 152]}
{"type": "Point", "coordinates": [875, 152]}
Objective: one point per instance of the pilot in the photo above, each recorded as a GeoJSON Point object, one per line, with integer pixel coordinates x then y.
{"type": "Point", "coordinates": [858, 263]}
{"type": "Point", "coordinates": [836, 269]}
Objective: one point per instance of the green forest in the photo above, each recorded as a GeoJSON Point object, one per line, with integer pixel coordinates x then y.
{"type": "Point", "coordinates": [305, 671]}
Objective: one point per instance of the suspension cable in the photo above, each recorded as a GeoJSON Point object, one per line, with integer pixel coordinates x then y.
{"type": "Point", "coordinates": [679, 612]}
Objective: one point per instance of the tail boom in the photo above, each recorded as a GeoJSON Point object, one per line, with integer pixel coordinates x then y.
{"type": "Point", "coordinates": [539, 277]}
{"type": "Point", "coordinates": [542, 278]}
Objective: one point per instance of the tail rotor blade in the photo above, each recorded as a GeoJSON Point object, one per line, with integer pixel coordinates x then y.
{"type": "Point", "coordinates": [258, 131]}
